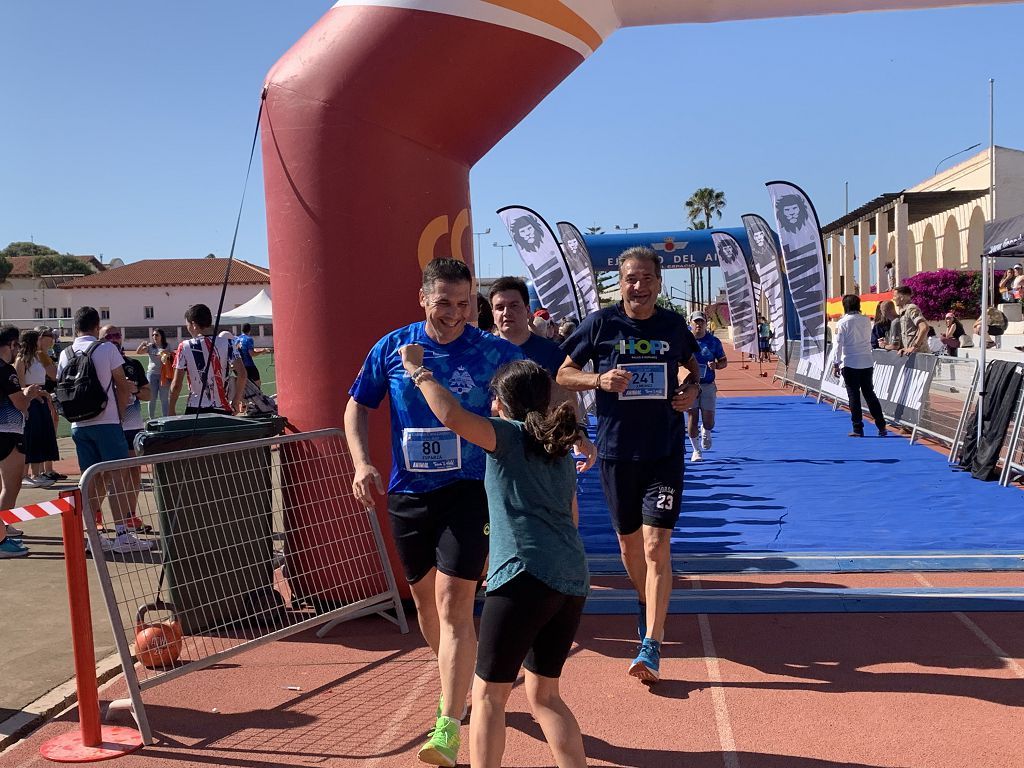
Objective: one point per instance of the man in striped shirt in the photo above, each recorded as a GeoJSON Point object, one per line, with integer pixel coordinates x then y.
{"type": "Point", "coordinates": [191, 359]}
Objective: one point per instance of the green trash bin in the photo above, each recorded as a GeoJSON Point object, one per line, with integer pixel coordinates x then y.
{"type": "Point", "coordinates": [215, 520]}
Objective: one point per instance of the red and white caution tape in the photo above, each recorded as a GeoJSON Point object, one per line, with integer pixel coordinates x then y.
{"type": "Point", "coordinates": [33, 511]}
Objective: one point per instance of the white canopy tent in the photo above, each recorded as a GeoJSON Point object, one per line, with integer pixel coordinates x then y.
{"type": "Point", "coordinates": [256, 311]}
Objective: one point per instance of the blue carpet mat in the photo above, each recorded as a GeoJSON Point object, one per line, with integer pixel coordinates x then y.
{"type": "Point", "coordinates": [783, 477]}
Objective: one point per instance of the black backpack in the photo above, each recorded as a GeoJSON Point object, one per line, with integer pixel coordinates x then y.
{"type": "Point", "coordinates": [79, 393]}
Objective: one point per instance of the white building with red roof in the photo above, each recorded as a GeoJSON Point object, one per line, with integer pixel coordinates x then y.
{"type": "Point", "coordinates": [154, 293]}
{"type": "Point", "coordinates": [28, 299]}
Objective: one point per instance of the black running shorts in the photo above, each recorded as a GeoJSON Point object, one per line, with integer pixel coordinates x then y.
{"type": "Point", "coordinates": [525, 623]}
{"type": "Point", "coordinates": [445, 529]}
{"type": "Point", "coordinates": [11, 441]}
{"type": "Point", "coordinates": [643, 492]}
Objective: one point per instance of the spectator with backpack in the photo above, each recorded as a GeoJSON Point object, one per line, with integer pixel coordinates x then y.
{"type": "Point", "coordinates": [93, 392]}
{"type": "Point", "coordinates": [205, 361]}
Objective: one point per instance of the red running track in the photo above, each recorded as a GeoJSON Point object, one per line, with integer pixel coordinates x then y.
{"type": "Point", "coordinates": [942, 690]}
{"type": "Point", "coordinates": [779, 691]}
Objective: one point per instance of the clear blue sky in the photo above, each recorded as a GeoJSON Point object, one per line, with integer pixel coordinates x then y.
{"type": "Point", "coordinates": [128, 124]}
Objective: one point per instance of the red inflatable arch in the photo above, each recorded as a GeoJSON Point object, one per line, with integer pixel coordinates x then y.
{"type": "Point", "coordinates": [371, 124]}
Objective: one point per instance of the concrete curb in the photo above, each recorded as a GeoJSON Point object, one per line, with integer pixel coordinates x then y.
{"type": "Point", "coordinates": [17, 727]}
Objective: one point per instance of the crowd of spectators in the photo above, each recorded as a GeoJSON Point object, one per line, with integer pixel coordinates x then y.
{"type": "Point", "coordinates": [31, 369]}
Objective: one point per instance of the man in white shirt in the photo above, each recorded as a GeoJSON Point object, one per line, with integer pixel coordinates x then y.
{"type": "Point", "coordinates": [101, 437]}
{"type": "Point", "coordinates": [854, 359]}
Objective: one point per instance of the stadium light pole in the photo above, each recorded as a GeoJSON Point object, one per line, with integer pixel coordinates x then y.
{"type": "Point", "coordinates": [502, 247]}
{"type": "Point", "coordinates": [627, 229]}
{"type": "Point", "coordinates": [479, 254]}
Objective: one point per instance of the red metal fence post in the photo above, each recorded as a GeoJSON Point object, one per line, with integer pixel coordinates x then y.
{"type": "Point", "coordinates": [93, 741]}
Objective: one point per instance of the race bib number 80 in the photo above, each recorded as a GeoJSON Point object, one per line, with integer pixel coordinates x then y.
{"type": "Point", "coordinates": [648, 381]}
{"type": "Point", "coordinates": [432, 449]}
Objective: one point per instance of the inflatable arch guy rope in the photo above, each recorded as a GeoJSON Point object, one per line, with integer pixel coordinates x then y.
{"type": "Point", "coordinates": [371, 123]}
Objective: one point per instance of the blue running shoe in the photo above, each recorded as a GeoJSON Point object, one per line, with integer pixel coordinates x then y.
{"type": "Point", "coordinates": [646, 665]}
{"type": "Point", "coordinates": [641, 620]}
{"type": "Point", "coordinates": [10, 548]}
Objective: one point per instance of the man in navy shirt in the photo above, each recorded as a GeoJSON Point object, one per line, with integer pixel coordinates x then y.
{"type": "Point", "coordinates": [510, 305]}
{"type": "Point", "coordinates": [435, 494]}
{"type": "Point", "coordinates": [710, 358]}
{"type": "Point", "coordinates": [646, 379]}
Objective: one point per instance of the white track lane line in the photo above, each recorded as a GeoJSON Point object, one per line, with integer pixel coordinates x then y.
{"type": "Point", "coordinates": [397, 729]}
{"type": "Point", "coordinates": [978, 632]}
{"type": "Point", "coordinates": [724, 724]}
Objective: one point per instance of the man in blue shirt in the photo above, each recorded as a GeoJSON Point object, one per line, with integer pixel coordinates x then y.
{"type": "Point", "coordinates": [646, 379]}
{"type": "Point", "coordinates": [435, 494]}
{"type": "Point", "coordinates": [710, 358]}
{"type": "Point", "coordinates": [245, 346]}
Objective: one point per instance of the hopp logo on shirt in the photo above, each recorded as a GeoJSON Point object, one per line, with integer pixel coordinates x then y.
{"type": "Point", "coordinates": [633, 346]}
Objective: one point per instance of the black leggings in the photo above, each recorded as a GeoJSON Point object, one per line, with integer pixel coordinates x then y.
{"type": "Point", "coordinates": [526, 623]}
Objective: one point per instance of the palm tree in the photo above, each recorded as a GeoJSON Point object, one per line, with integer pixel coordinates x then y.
{"type": "Point", "coordinates": [704, 203]}
{"type": "Point", "coordinates": [595, 230]}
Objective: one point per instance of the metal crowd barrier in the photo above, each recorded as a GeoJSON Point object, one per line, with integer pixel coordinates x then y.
{"type": "Point", "coordinates": [784, 371]}
{"type": "Point", "coordinates": [232, 547]}
{"type": "Point", "coordinates": [945, 408]}
{"type": "Point", "coordinates": [940, 411]}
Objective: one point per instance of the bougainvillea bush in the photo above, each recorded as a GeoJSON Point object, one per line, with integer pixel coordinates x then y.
{"type": "Point", "coordinates": [937, 293]}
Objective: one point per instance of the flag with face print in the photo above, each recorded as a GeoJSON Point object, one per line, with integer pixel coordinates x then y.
{"type": "Point", "coordinates": [538, 248]}
{"type": "Point", "coordinates": [803, 255]}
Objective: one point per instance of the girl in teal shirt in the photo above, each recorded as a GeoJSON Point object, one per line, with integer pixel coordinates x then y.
{"type": "Point", "coordinates": [537, 578]}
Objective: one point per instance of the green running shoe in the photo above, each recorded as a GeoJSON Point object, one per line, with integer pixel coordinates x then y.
{"type": "Point", "coordinates": [442, 748]}
{"type": "Point", "coordinates": [440, 707]}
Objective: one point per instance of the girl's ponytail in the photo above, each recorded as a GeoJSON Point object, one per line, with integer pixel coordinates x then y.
{"type": "Point", "coordinates": [555, 433]}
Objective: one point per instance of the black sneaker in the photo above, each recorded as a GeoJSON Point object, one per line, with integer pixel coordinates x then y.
{"type": "Point", "coordinates": [855, 433]}
{"type": "Point", "coordinates": [883, 432]}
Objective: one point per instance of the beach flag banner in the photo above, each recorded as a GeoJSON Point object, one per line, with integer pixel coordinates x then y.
{"type": "Point", "coordinates": [538, 248]}
{"type": "Point", "coordinates": [832, 384]}
{"type": "Point", "coordinates": [739, 292]}
{"type": "Point", "coordinates": [765, 256]}
{"type": "Point", "coordinates": [578, 258]}
{"type": "Point", "coordinates": [803, 255]}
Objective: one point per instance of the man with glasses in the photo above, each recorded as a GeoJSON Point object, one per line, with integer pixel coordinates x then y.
{"type": "Point", "coordinates": [646, 378]}
{"type": "Point", "coordinates": [710, 358]}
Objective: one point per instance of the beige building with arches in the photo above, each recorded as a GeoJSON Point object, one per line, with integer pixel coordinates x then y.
{"type": "Point", "coordinates": [936, 224]}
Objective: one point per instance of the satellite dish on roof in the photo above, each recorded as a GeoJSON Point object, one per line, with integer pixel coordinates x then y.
{"type": "Point", "coordinates": [115, 263]}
